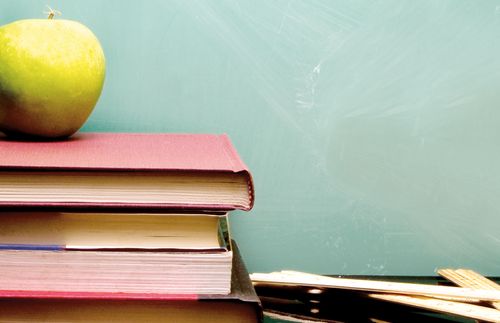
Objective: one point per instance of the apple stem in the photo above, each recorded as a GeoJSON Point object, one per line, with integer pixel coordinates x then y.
{"type": "Point", "coordinates": [52, 12]}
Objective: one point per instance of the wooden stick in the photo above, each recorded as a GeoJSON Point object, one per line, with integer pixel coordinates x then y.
{"type": "Point", "coordinates": [471, 279]}
{"type": "Point", "coordinates": [317, 281]}
{"type": "Point", "coordinates": [467, 310]}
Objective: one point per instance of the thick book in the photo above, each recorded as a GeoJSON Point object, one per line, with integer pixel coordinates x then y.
{"type": "Point", "coordinates": [125, 170]}
{"type": "Point", "coordinates": [115, 252]}
{"type": "Point", "coordinates": [240, 305]}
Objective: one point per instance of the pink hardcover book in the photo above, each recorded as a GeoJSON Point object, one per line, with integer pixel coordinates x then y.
{"type": "Point", "coordinates": [241, 304]}
{"type": "Point", "coordinates": [125, 170]}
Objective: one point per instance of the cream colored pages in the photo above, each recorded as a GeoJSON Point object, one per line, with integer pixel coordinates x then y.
{"type": "Point", "coordinates": [110, 230]}
{"type": "Point", "coordinates": [125, 188]}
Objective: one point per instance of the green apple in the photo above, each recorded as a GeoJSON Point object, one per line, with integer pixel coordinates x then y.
{"type": "Point", "coordinates": [51, 76]}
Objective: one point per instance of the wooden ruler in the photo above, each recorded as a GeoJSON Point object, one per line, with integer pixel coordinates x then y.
{"type": "Point", "coordinates": [317, 281]}
{"type": "Point", "coordinates": [470, 279]}
{"type": "Point", "coordinates": [467, 310]}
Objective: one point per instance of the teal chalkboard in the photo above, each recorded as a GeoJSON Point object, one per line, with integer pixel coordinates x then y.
{"type": "Point", "coordinates": [372, 128]}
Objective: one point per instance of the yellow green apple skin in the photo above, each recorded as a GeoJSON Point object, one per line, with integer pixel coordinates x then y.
{"type": "Point", "coordinates": [51, 76]}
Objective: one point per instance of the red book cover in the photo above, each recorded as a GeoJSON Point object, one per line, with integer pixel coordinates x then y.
{"type": "Point", "coordinates": [128, 153]}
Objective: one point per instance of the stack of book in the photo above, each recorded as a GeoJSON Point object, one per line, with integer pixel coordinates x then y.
{"type": "Point", "coordinates": [123, 228]}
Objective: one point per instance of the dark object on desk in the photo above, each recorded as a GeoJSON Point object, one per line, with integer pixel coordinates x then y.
{"type": "Point", "coordinates": [330, 305]}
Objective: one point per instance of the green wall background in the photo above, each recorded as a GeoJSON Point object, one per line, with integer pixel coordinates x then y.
{"type": "Point", "coordinates": [372, 128]}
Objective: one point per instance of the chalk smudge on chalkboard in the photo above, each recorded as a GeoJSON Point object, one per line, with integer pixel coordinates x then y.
{"type": "Point", "coordinates": [306, 95]}
{"type": "Point", "coordinates": [392, 104]}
